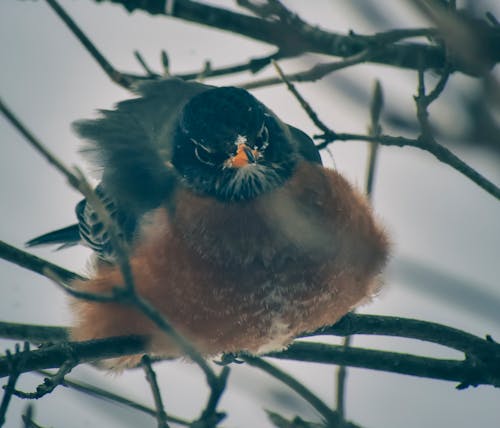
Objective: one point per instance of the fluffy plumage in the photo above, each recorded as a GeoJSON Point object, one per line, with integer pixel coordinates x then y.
{"type": "Point", "coordinates": [249, 277]}
{"type": "Point", "coordinates": [262, 243]}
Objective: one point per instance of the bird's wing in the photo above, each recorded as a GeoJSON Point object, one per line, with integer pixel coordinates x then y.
{"type": "Point", "coordinates": [65, 237]}
{"type": "Point", "coordinates": [131, 145]}
{"type": "Point", "coordinates": [90, 231]}
{"type": "Point", "coordinates": [93, 233]}
{"type": "Point", "coordinates": [132, 142]}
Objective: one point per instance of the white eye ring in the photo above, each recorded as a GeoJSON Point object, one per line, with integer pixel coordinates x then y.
{"type": "Point", "coordinates": [200, 158]}
{"type": "Point", "coordinates": [198, 144]}
{"type": "Point", "coordinates": [264, 135]}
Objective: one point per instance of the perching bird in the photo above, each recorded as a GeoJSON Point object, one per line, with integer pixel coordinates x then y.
{"type": "Point", "coordinates": [237, 233]}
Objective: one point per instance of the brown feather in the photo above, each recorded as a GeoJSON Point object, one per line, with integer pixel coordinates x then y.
{"type": "Point", "coordinates": [249, 275]}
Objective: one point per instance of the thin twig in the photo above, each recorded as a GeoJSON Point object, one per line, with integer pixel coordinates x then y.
{"type": "Point", "coordinates": [330, 416]}
{"type": "Point", "coordinates": [421, 102]}
{"type": "Point", "coordinates": [429, 145]}
{"type": "Point", "coordinates": [374, 130]}
{"type": "Point", "coordinates": [122, 79]}
{"type": "Point", "coordinates": [440, 152]}
{"type": "Point", "coordinates": [95, 391]}
{"type": "Point", "coordinates": [161, 414]}
{"type": "Point", "coordinates": [149, 73]}
{"type": "Point", "coordinates": [440, 85]}
{"type": "Point", "coordinates": [49, 383]}
{"type": "Point", "coordinates": [422, 142]}
{"type": "Point", "coordinates": [305, 105]}
{"type": "Point", "coordinates": [127, 80]}
{"type": "Point", "coordinates": [314, 73]}
{"type": "Point", "coordinates": [253, 65]}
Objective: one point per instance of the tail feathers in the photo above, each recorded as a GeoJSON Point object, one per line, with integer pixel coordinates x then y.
{"type": "Point", "coordinates": [67, 237]}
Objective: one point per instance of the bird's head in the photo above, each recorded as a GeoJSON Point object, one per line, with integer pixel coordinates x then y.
{"type": "Point", "coordinates": [229, 146]}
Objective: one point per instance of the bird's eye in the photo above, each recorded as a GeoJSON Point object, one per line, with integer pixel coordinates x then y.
{"type": "Point", "coordinates": [262, 140]}
{"type": "Point", "coordinates": [203, 154]}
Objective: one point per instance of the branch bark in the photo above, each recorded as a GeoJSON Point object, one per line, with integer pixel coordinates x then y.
{"type": "Point", "coordinates": [481, 365]}
{"type": "Point", "coordinates": [306, 38]}
{"type": "Point", "coordinates": [466, 372]}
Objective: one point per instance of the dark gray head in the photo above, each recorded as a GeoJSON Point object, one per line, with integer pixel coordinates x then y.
{"type": "Point", "coordinates": [229, 146]}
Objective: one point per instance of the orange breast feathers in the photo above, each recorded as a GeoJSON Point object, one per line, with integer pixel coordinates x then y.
{"type": "Point", "coordinates": [246, 276]}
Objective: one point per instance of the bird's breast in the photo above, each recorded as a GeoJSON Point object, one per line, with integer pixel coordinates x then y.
{"type": "Point", "coordinates": [247, 275]}
{"type": "Point", "coordinates": [288, 224]}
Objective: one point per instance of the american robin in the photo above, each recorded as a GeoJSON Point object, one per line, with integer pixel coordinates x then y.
{"type": "Point", "coordinates": [237, 233]}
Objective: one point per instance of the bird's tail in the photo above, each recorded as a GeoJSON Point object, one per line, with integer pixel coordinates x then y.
{"type": "Point", "coordinates": [67, 237]}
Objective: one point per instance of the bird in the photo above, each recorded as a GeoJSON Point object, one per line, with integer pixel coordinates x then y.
{"type": "Point", "coordinates": [236, 232]}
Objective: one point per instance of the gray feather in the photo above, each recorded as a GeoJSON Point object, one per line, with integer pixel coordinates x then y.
{"type": "Point", "coordinates": [132, 143]}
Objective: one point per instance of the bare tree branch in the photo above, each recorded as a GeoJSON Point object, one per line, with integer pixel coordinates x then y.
{"type": "Point", "coordinates": [127, 80]}
{"type": "Point", "coordinates": [34, 263]}
{"type": "Point", "coordinates": [55, 355]}
{"type": "Point", "coordinates": [412, 329]}
{"type": "Point", "coordinates": [32, 333]}
{"type": "Point", "coordinates": [443, 154]}
{"type": "Point", "coordinates": [50, 382]}
{"type": "Point", "coordinates": [304, 104]}
{"type": "Point", "coordinates": [482, 364]}
{"type": "Point", "coordinates": [294, 38]}
{"type": "Point", "coordinates": [121, 79]}
{"type": "Point", "coordinates": [466, 372]}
